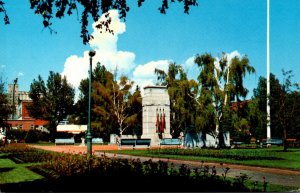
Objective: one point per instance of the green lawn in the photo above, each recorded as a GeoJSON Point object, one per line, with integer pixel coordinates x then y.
{"type": "Point", "coordinates": [285, 160]}
{"type": "Point", "coordinates": [10, 172]}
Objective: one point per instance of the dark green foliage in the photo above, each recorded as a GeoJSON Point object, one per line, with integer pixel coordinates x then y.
{"type": "Point", "coordinates": [51, 101]}
{"type": "Point", "coordinates": [219, 95]}
{"type": "Point", "coordinates": [3, 10]}
{"type": "Point", "coordinates": [180, 89]}
{"type": "Point", "coordinates": [92, 170]}
{"type": "Point", "coordinates": [16, 135]}
{"type": "Point", "coordinates": [6, 108]}
{"type": "Point", "coordinates": [115, 109]}
{"type": "Point", "coordinates": [31, 136]}
{"type": "Point", "coordinates": [284, 103]}
{"type": "Point", "coordinates": [66, 172]}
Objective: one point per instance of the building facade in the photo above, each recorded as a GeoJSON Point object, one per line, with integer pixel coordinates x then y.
{"type": "Point", "coordinates": [20, 119]}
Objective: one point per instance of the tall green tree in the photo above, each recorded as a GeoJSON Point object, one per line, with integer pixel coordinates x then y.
{"type": "Point", "coordinates": [260, 95]}
{"type": "Point", "coordinates": [284, 100]}
{"type": "Point", "coordinates": [115, 100]}
{"type": "Point", "coordinates": [220, 84]}
{"type": "Point", "coordinates": [88, 9]}
{"type": "Point", "coordinates": [180, 89]}
{"type": "Point", "coordinates": [288, 104]}
{"type": "Point", "coordinates": [81, 108]}
{"type": "Point", "coordinates": [135, 127]}
{"type": "Point", "coordinates": [208, 95]}
{"type": "Point", "coordinates": [116, 106]}
{"type": "Point", "coordinates": [6, 108]}
{"type": "Point", "coordinates": [51, 101]}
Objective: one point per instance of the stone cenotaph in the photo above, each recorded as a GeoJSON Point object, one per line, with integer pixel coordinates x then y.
{"type": "Point", "coordinates": [156, 114]}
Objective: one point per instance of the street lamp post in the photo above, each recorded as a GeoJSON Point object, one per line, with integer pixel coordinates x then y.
{"type": "Point", "coordinates": [13, 102]}
{"type": "Point", "coordinates": [88, 132]}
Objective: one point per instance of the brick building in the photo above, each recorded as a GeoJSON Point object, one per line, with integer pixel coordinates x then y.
{"type": "Point", "coordinates": [21, 119]}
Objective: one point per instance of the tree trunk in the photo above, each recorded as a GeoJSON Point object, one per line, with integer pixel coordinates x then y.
{"type": "Point", "coordinates": [221, 138]}
{"type": "Point", "coordinates": [285, 143]}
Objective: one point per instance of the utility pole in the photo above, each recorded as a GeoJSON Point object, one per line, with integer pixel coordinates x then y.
{"type": "Point", "coordinates": [268, 72]}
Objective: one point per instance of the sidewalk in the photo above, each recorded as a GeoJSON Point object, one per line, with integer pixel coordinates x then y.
{"type": "Point", "coordinates": [272, 175]}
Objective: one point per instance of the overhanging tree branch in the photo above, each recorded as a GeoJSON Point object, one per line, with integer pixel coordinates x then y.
{"type": "Point", "coordinates": [90, 9]}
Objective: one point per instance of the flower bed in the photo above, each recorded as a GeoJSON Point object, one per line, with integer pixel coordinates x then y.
{"type": "Point", "coordinates": [106, 174]}
{"type": "Point", "coordinates": [79, 172]}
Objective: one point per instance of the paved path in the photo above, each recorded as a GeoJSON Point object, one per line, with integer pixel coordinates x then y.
{"type": "Point", "coordinates": [272, 175]}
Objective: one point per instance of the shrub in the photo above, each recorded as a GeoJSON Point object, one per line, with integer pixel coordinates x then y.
{"type": "Point", "coordinates": [16, 135]}
{"type": "Point", "coordinates": [43, 136]}
{"type": "Point", "coordinates": [98, 173]}
{"type": "Point", "coordinates": [32, 136]}
{"type": "Point", "coordinates": [16, 148]}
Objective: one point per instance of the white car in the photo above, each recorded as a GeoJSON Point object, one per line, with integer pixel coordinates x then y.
{"type": "Point", "coordinates": [2, 139]}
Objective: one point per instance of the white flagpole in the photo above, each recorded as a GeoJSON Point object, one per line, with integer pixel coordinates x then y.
{"type": "Point", "coordinates": [268, 72]}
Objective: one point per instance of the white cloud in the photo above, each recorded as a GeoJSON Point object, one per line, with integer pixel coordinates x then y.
{"type": "Point", "coordinates": [105, 44]}
{"type": "Point", "coordinates": [189, 62]}
{"type": "Point", "coordinates": [193, 71]}
{"type": "Point", "coordinates": [191, 68]}
{"type": "Point", "coordinates": [107, 53]}
{"type": "Point", "coordinates": [233, 54]}
{"type": "Point", "coordinates": [20, 74]}
{"type": "Point", "coordinates": [146, 71]}
{"type": "Point", "coordinates": [229, 56]}
{"type": "Point", "coordinates": [76, 68]}
{"type": "Point", "coordinates": [143, 74]}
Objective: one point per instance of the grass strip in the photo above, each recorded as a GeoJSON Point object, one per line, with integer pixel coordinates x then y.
{"type": "Point", "coordinates": [283, 160]}
{"type": "Point", "coordinates": [15, 173]}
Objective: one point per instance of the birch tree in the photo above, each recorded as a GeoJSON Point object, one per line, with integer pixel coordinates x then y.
{"type": "Point", "coordinates": [220, 83]}
{"type": "Point", "coordinates": [115, 105]}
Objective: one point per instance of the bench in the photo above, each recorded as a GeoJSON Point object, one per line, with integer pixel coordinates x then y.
{"type": "Point", "coordinates": [243, 145]}
{"type": "Point", "coordinates": [97, 140]}
{"type": "Point", "coordinates": [291, 142]}
{"type": "Point", "coordinates": [141, 142]}
{"type": "Point", "coordinates": [65, 141]}
{"type": "Point", "coordinates": [237, 144]}
{"type": "Point", "coordinates": [135, 142]}
{"type": "Point", "coordinates": [272, 141]}
{"type": "Point", "coordinates": [170, 141]}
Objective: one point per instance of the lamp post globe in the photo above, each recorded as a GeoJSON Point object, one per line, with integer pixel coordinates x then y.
{"type": "Point", "coordinates": [92, 53]}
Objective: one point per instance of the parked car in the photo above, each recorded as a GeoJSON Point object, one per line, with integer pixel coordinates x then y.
{"type": "Point", "coordinates": [2, 139]}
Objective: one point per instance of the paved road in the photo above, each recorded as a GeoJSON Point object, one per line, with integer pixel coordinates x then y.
{"type": "Point", "coordinates": [274, 176]}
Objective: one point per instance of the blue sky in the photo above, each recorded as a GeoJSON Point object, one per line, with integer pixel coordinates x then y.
{"type": "Point", "coordinates": [148, 39]}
